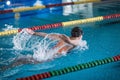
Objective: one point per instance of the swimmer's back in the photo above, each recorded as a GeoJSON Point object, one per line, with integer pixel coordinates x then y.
{"type": "Point", "coordinates": [63, 47]}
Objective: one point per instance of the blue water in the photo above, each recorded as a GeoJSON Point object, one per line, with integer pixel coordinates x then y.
{"type": "Point", "coordinates": [102, 40]}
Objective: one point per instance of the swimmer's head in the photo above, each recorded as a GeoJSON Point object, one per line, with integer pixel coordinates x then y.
{"type": "Point", "coordinates": [76, 32]}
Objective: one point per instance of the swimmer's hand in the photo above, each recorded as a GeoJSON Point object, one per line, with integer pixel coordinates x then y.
{"type": "Point", "coordinates": [30, 31]}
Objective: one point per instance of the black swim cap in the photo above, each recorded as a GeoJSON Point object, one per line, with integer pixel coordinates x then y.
{"type": "Point", "coordinates": [76, 32]}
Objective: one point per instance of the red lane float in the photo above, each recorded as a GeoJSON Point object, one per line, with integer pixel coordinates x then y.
{"type": "Point", "coordinates": [48, 26]}
{"type": "Point", "coordinates": [5, 11]}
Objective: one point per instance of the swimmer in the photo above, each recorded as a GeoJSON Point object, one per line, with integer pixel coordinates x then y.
{"type": "Point", "coordinates": [71, 42]}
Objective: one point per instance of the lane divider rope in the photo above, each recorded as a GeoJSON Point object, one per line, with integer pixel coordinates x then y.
{"type": "Point", "coordinates": [64, 24]}
{"type": "Point", "coordinates": [72, 68]}
{"type": "Point", "coordinates": [23, 9]}
{"type": "Point", "coordinates": [46, 6]}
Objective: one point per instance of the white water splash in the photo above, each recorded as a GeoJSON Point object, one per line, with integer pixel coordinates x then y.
{"type": "Point", "coordinates": [8, 27]}
{"type": "Point", "coordinates": [21, 39]}
{"type": "Point", "coordinates": [42, 49]}
{"type": "Point", "coordinates": [82, 45]}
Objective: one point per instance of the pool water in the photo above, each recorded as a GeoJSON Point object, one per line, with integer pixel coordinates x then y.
{"type": "Point", "coordinates": [103, 40]}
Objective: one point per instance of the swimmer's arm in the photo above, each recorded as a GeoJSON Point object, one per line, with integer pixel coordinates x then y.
{"type": "Point", "coordinates": [40, 34]}
{"type": "Point", "coordinates": [51, 36]}
{"type": "Point", "coordinates": [54, 36]}
{"type": "Point", "coordinates": [36, 33]}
